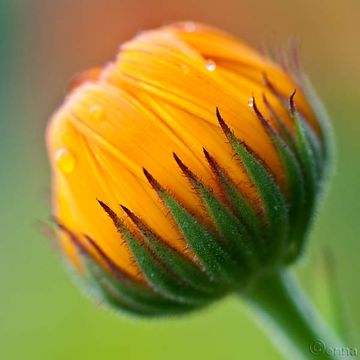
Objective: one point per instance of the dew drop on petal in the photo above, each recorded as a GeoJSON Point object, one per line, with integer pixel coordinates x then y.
{"type": "Point", "coordinates": [97, 113]}
{"type": "Point", "coordinates": [210, 65]}
{"type": "Point", "coordinates": [189, 26]}
{"type": "Point", "coordinates": [185, 69]}
{"type": "Point", "coordinates": [65, 160]}
{"type": "Point", "coordinates": [251, 102]}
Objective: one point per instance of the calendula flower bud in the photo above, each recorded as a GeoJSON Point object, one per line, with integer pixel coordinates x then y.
{"type": "Point", "coordinates": [184, 169]}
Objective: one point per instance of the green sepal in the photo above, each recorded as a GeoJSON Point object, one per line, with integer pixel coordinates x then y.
{"type": "Point", "coordinates": [294, 182]}
{"type": "Point", "coordinates": [272, 199]}
{"type": "Point", "coordinates": [205, 244]}
{"type": "Point", "coordinates": [316, 149]}
{"type": "Point", "coordinates": [116, 287]}
{"type": "Point", "coordinates": [190, 273]}
{"type": "Point", "coordinates": [240, 205]}
{"type": "Point", "coordinates": [134, 298]}
{"type": "Point", "coordinates": [307, 159]}
{"type": "Point", "coordinates": [308, 146]}
{"type": "Point", "coordinates": [283, 128]}
{"type": "Point", "coordinates": [326, 136]}
{"type": "Point", "coordinates": [240, 245]}
{"type": "Point", "coordinates": [309, 166]}
{"type": "Point", "coordinates": [295, 194]}
{"type": "Point", "coordinates": [160, 278]}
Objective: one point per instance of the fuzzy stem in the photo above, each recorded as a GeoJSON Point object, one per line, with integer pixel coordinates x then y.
{"type": "Point", "coordinates": [292, 322]}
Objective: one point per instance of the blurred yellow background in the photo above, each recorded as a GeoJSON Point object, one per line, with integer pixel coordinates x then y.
{"type": "Point", "coordinates": [43, 43]}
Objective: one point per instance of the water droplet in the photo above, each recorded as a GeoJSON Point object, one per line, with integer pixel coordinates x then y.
{"type": "Point", "coordinates": [210, 65]}
{"type": "Point", "coordinates": [251, 102]}
{"type": "Point", "coordinates": [65, 160]}
{"type": "Point", "coordinates": [185, 69]}
{"type": "Point", "coordinates": [97, 112]}
{"type": "Point", "coordinates": [189, 26]}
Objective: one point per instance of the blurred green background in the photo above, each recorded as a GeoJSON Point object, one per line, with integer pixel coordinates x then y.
{"type": "Point", "coordinates": [42, 44]}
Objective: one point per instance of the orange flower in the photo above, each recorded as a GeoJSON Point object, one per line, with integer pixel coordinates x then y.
{"type": "Point", "coordinates": [159, 97]}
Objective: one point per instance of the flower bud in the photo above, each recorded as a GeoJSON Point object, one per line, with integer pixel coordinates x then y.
{"type": "Point", "coordinates": [184, 169]}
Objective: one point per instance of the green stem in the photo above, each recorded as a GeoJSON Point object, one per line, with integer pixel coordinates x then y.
{"type": "Point", "coordinates": [291, 320]}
